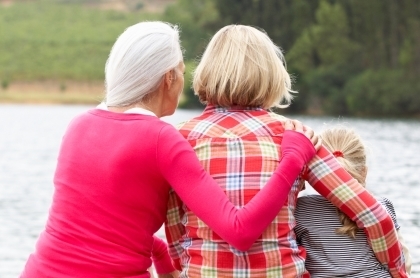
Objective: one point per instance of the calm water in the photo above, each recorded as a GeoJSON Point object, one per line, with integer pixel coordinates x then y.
{"type": "Point", "coordinates": [30, 138]}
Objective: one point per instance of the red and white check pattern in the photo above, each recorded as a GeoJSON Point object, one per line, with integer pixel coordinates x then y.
{"type": "Point", "coordinates": [241, 148]}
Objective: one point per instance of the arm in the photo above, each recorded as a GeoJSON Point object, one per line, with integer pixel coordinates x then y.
{"type": "Point", "coordinates": [406, 252]}
{"type": "Point", "coordinates": [327, 177]}
{"type": "Point", "coordinates": [196, 188]}
{"type": "Point", "coordinates": [390, 209]}
{"type": "Point", "coordinates": [160, 257]}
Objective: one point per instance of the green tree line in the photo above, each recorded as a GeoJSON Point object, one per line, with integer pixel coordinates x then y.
{"type": "Point", "coordinates": [347, 57]}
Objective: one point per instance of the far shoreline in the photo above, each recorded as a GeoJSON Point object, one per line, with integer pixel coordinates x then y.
{"type": "Point", "coordinates": [53, 92]}
{"type": "Point", "coordinates": [93, 92]}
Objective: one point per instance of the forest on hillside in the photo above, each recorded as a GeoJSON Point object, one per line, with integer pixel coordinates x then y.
{"type": "Point", "coordinates": [347, 57]}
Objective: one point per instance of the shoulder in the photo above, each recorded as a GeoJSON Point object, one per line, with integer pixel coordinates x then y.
{"type": "Point", "coordinates": [194, 127]}
{"type": "Point", "coordinates": [168, 131]}
{"type": "Point", "coordinates": [311, 199]}
{"type": "Point", "coordinates": [311, 203]}
{"type": "Point", "coordinates": [389, 206]}
{"type": "Point", "coordinates": [386, 202]}
{"type": "Point", "coordinates": [314, 205]}
{"type": "Point", "coordinates": [277, 116]}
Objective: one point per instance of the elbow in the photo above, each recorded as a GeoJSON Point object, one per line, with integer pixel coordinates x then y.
{"type": "Point", "coordinates": [383, 222]}
{"type": "Point", "coordinates": [241, 243]}
{"type": "Point", "coordinates": [387, 222]}
{"type": "Point", "coordinates": [243, 247]}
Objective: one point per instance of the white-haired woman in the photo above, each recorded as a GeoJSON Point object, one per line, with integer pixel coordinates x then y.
{"type": "Point", "coordinates": [238, 141]}
{"type": "Point", "coordinates": [118, 162]}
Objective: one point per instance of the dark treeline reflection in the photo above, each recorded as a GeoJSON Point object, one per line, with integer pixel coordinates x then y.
{"type": "Point", "coordinates": [352, 57]}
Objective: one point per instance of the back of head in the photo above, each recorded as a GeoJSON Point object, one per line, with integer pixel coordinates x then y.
{"type": "Point", "coordinates": [348, 148]}
{"type": "Point", "coordinates": [242, 66]}
{"type": "Point", "coordinates": [138, 61]}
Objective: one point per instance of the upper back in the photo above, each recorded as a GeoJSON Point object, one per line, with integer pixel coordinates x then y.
{"type": "Point", "coordinates": [218, 122]}
{"type": "Point", "coordinates": [328, 253]}
{"type": "Point", "coordinates": [109, 194]}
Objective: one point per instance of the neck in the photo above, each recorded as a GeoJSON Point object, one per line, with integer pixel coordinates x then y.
{"type": "Point", "coordinates": [152, 104]}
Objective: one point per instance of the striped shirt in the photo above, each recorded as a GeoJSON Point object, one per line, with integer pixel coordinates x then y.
{"type": "Point", "coordinates": [328, 253]}
{"type": "Point", "coordinates": [240, 148]}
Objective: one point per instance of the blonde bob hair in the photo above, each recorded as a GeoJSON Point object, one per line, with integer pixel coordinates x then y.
{"type": "Point", "coordinates": [349, 150]}
{"type": "Point", "coordinates": [242, 66]}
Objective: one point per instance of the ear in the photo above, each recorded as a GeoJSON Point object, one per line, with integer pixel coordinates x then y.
{"type": "Point", "coordinates": [168, 79]}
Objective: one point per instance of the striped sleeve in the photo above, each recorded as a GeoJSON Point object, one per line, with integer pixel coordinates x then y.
{"type": "Point", "coordinates": [391, 211]}
{"type": "Point", "coordinates": [328, 178]}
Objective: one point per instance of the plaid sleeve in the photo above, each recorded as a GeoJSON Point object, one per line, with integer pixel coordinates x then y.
{"type": "Point", "coordinates": [328, 178]}
{"type": "Point", "coordinates": [174, 229]}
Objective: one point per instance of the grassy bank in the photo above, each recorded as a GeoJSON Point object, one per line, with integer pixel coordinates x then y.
{"type": "Point", "coordinates": [58, 40]}
{"type": "Point", "coordinates": [53, 92]}
{"type": "Point", "coordinates": [54, 51]}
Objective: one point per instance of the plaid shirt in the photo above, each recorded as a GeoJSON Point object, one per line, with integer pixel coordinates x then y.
{"type": "Point", "coordinates": [241, 148]}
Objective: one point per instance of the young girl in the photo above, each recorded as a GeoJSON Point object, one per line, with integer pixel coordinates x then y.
{"type": "Point", "coordinates": [335, 245]}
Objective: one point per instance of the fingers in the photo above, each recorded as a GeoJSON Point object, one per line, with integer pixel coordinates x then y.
{"type": "Point", "coordinates": [298, 126]}
{"type": "Point", "coordinates": [316, 141]}
{"type": "Point", "coordinates": [306, 130]}
{"type": "Point", "coordinates": [288, 125]}
{"type": "Point", "coordinates": [315, 138]}
{"type": "Point", "coordinates": [294, 125]}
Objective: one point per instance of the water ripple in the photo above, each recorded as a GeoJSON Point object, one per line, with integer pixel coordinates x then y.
{"type": "Point", "coordinates": [30, 138]}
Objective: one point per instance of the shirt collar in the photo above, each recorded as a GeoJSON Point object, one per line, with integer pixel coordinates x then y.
{"type": "Point", "coordinates": [220, 109]}
{"type": "Point", "coordinates": [135, 110]}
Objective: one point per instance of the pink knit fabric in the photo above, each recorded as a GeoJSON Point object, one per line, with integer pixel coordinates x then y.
{"type": "Point", "coordinates": [113, 175]}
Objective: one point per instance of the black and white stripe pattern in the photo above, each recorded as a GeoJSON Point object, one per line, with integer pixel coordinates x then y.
{"type": "Point", "coordinates": [329, 254]}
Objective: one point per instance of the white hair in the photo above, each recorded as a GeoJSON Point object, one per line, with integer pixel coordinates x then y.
{"type": "Point", "coordinates": [138, 61]}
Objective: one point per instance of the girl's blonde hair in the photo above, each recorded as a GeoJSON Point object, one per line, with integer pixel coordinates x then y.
{"type": "Point", "coordinates": [242, 66]}
{"type": "Point", "coordinates": [348, 148]}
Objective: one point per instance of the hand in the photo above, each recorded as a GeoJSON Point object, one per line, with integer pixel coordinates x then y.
{"type": "Point", "coordinates": [307, 131]}
{"type": "Point", "coordinates": [174, 274]}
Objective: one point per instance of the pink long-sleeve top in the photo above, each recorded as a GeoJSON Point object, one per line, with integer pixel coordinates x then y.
{"type": "Point", "coordinates": [113, 175]}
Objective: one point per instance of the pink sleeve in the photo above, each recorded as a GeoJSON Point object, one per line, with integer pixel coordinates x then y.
{"type": "Point", "coordinates": [160, 256]}
{"type": "Point", "coordinates": [196, 188]}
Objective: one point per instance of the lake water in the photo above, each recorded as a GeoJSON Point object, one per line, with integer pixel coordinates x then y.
{"type": "Point", "coordinates": [30, 137]}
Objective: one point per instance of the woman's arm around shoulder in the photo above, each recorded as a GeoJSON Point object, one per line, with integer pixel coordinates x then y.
{"type": "Point", "coordinates": [240, 227]}
{"type": "Point", "coordinates": [327, 177]}
{"type": "Point", "coordinates": [389, 206]}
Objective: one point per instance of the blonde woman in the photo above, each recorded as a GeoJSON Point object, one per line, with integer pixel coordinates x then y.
{"type": "Point", "coordinates": [334, 244]}
{"type": "Point", "coordinates": [238, 141]}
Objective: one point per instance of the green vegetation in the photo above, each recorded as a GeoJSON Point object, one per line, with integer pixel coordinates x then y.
{"type": "Point", "coordinates": [353, 57]}
{"type": "Point", "coordinates": [48, 40]}
{"type": "Point", "coordinates": [348, 57]}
